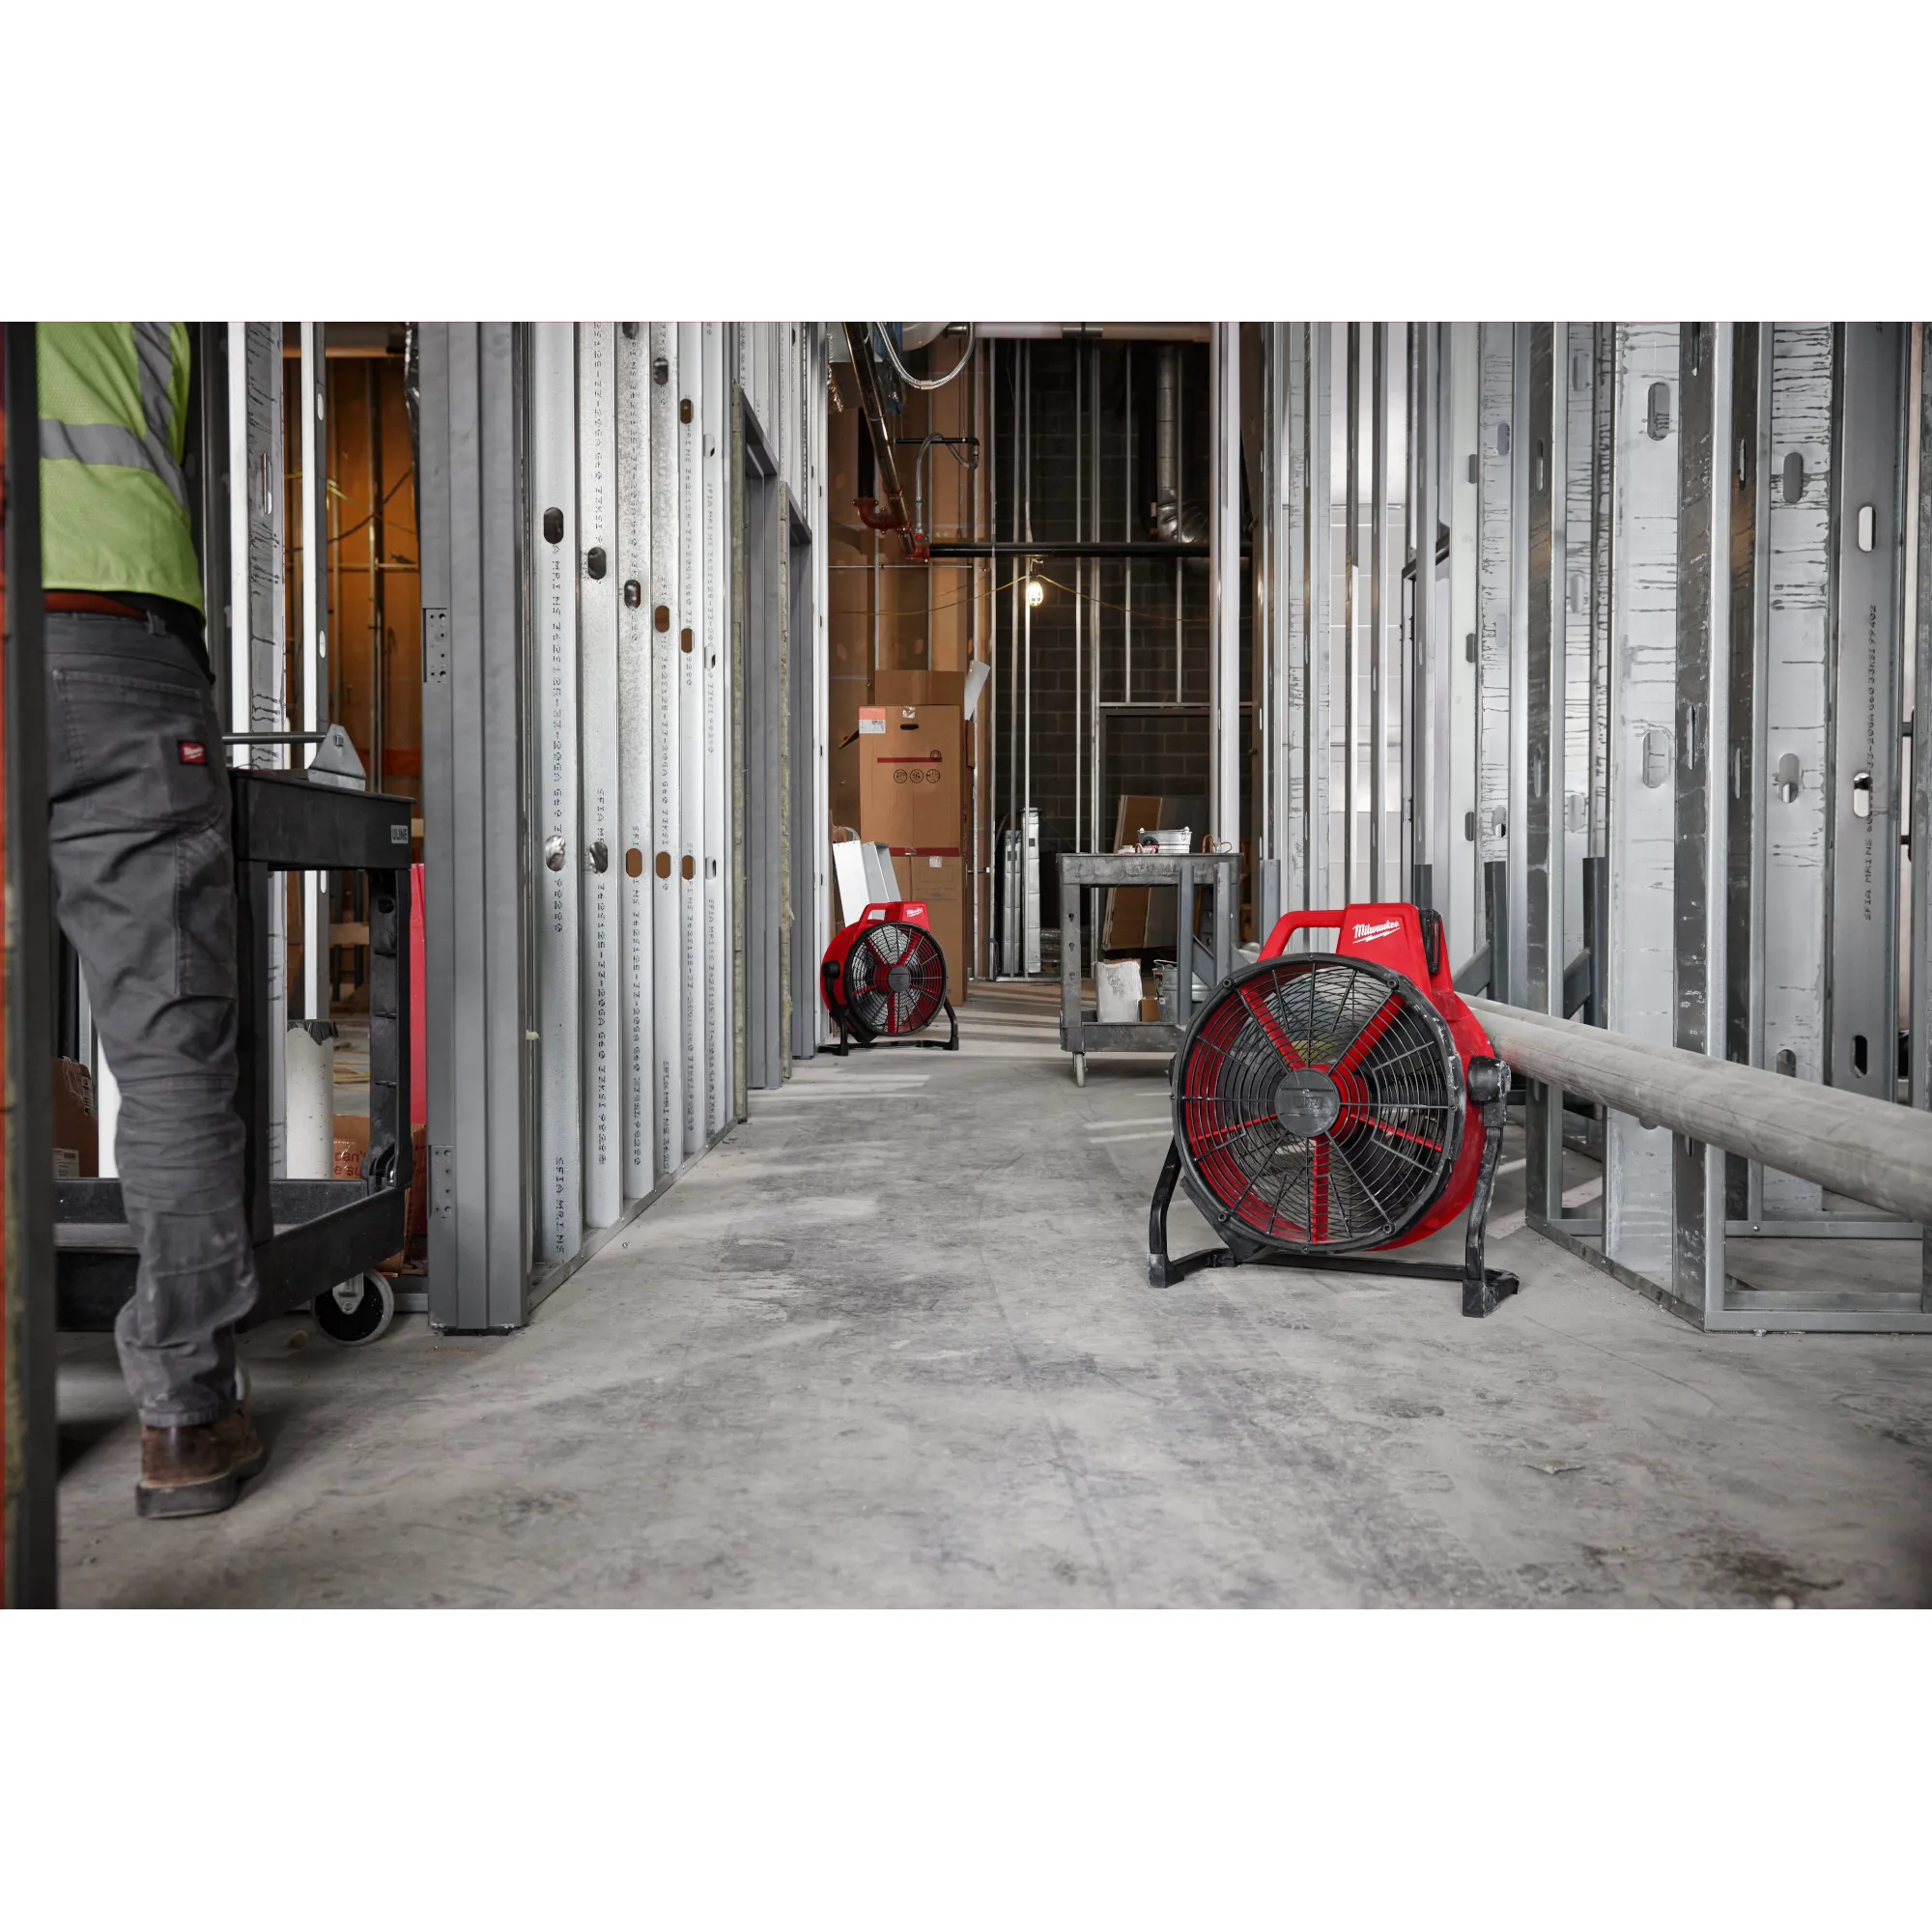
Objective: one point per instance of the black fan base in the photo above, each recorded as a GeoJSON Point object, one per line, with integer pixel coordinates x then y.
{"type": "Point", "coordinates": [1484, 1288]}
{"type": "Point", "coordinates": [850, 1036]}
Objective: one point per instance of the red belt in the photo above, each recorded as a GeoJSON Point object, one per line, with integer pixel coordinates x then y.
{"type": "Point", "coordinates": [91, 603]}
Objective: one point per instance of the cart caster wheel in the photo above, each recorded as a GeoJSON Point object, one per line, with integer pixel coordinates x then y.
{"type": "Point", "coordinates": [1079, 1070]}
{"type": "Point", "coordinates": [356, 1311]}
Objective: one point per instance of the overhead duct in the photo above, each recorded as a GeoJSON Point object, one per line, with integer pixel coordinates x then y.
{"type": "Point", "coordinates": [912, 335]}
{"type": "Point", "coordinates": [1169, 521]}
{"type": "Point", "coordinates": [922, 334]}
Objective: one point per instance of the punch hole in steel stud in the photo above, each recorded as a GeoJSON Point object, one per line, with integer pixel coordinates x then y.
{"type": "Point", "coordinates": [660, 369]}
{"type": "Point", "coordinates": [594, 562]}
{"type": "Point", "coordinates": [553, 527]}
{"type": "Point", "coordinates": [634, 593]}
{"type": "Point", "coordinates": [684, 639]}
{"type": "Point", "coordinates": [684, 411]}
{"type": "Point", "coordinates": [689, 870]}
{"type": "Point", "coordinates": [664, 866]}
{"type": "Point", "coordinates": [661, 618]}
{"type": "Point", "coordinates": [630, 329]}
{"type": "Point", "coordinates": [633, 864]}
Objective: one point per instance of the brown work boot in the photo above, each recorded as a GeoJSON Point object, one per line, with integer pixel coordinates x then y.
{"type": "Point", "coordinates": [197, 1471]}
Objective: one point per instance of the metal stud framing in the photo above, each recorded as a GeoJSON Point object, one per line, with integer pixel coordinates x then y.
{"type": "Point", "coordinates": [476, 548]}
{"type": "Point", "coordinates": [257, 634]}
{"type": "Point", "coordinates": [687, 623]}
{"type": "Point", "coordinates": [667, 743]}
{"type": "Point", "coordinates": [555, 567]}
{"type": "Point", "coordinates": [635, 842]}
{"type": "Point", "coordinates": [599, 865]}
{"type": "Point", "coordinates": [1795, 606]}
{"type": "Point", "coordinates": [579, 538]}
{"type": "Point", "coordinates": [1455, 845]}
{"type": "Point", "coordinates": [1637, 1180]}
{"type": "Point", "coordinates": [1655, 727]}
{"type": "Point", "coordinates": [714, 860]}
{"type": "Point", "coordinates": [1496, 469]}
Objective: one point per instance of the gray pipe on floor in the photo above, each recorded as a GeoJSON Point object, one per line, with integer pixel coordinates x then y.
{"type": "Point", "coordinates": [1868, 1150]}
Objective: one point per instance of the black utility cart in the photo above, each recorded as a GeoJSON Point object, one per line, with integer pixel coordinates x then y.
{"type": "Point", "coordinates": [312, 1237]}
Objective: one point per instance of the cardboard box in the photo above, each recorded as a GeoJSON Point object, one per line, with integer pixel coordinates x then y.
{"type": "Point", "coordinates": [76, 1134]}
{"type": "Point", "coordinates": [911, 766]}
{"type": "Point", "coordinates": [939, 884]}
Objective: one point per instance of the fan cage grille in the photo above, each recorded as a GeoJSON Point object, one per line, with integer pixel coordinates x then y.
{"type": "Point", "coordinates": [874, 1004]}
{"type": "Point", "coordinates": [1387, 1154]}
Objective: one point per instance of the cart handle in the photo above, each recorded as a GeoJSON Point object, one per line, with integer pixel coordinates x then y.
{"type": "Point", "coordinates": [1291, 922]}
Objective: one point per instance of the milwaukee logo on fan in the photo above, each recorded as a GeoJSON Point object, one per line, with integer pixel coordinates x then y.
{"type": "Point", "coordinates": [1381, 930]}
{"type": "Point", "coordinates": [192, 754]}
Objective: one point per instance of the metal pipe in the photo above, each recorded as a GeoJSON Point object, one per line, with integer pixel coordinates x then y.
{"type": "Point", "coordinates": [1090, 331]}
{"type": "Point", "coordinates": [379, 613]}
{"type": "Point", "coordinates": [1379, 455]}
{"type": "Point", "coordinates": [1025, 674]}
{"type": "Point", "coordinates": [1094, 550]}
{"type": "Point", "coordinates": [987, 715]}
{"type": "Point", "coordinates": [1167, 444]}
{"type": "Point", "coordinates": [1179, 578]}
{"type": "Point", "coordinates": [1869, 1150]}
{"type": "Point", "coordinates": [872, 407]}
{"type": "Point", "coordinates": [1350, 626]}
{"type": "Point", "coordinates": [1012, 661]}
{"type": "Point", "coordinates": [1093, 623]}
{"type": "Point", "coordinates": [1225, 584]}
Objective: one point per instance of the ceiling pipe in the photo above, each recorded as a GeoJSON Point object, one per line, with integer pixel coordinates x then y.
{"type": "Point", "coordinates": [892, 517]}
{"type": "Point", "coordinates": [922, 334]}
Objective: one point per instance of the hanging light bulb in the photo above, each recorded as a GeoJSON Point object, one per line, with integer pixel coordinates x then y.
{"type": "Point", "coordinates": [1035, 593]}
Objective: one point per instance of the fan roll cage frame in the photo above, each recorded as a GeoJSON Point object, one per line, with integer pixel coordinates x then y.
{"type": "Point", "coordinates": [1321, 1107]}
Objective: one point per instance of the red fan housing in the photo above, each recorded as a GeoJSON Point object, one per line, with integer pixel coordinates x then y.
{"type": "Point", "coordinates": [1322, 1101]}
{"type": "Point", "coordinates": [884, 977]}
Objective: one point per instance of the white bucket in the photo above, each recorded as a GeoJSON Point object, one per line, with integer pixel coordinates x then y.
{"type": "Point", "coordinates": [310, 1104]}
{"type": "Point", "coordinates": [1117, 985]}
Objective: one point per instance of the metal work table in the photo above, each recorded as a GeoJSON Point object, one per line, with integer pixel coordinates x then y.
{"type": "Point", "coordinates": [1219, 874]}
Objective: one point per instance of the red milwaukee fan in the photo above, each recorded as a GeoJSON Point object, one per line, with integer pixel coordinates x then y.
{"type": "Point", "coordinates": [1322, 1104]}
{"type": "Point", "coordinates": [884, 979]}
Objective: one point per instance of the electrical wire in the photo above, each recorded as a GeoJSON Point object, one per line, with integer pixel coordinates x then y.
{"type": "Point", "coordinates": [1104, 604]}
{"type": "Point", "coordinates": [906, 375]}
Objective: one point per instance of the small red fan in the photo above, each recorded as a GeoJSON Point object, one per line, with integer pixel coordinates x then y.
{"type": "Point", "coordinates": [884, 979]}
{"type": "Point", "coordinates": [1320, 1102]}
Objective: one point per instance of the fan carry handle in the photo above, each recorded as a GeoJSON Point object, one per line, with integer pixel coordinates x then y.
{"type": "Point", "coordinates": [1291, 922]}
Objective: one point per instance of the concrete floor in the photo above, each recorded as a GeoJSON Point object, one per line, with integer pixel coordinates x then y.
{"type": "Point", "coordinates": [891, 1344]}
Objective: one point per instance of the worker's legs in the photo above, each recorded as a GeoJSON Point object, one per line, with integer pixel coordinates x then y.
{"type": "Point", "coordinates": [143, 873]}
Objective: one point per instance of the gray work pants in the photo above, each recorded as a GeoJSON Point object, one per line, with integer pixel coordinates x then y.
{"type": "Point", "coordinates": [143, 876]}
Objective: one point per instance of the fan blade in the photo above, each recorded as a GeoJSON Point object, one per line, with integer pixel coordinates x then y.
{"type": "Point", "coordinates": [1376, 1024]}
{"type": "Point", "coordinates": [1257, 1003]}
